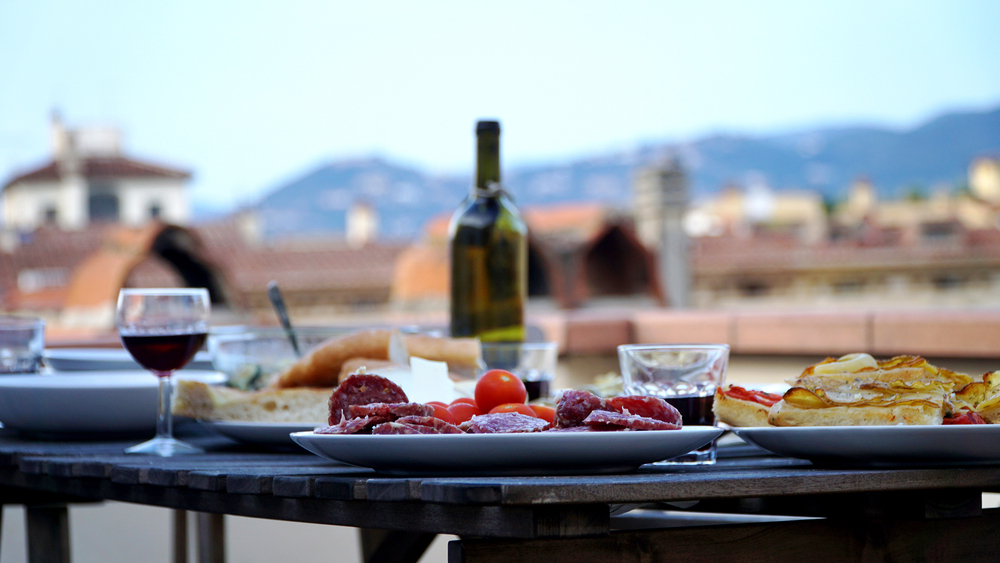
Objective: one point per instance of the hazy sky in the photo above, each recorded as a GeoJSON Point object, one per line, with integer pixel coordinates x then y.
{"type": "Point", "coordinates": [250, 94]}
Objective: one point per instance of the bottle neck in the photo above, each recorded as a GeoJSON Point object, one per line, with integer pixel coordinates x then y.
{"type": "Point", "coordinates": [487, 162]}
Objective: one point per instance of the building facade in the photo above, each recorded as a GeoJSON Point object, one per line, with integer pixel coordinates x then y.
{"type": "Point", "coordinates": [89, 180]}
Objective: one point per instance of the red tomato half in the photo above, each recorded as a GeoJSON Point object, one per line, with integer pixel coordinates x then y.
{"type": "Point", "coordinates": [441, 411]}
{"type": "Point", "coordinates": [514, 407]}
{"type": "Point", "coordinates": [497, 387]}
{"type": "Point", "coordinates": [766, 399]}
{"type": "Point", "coordinates": [544, 412]}
{"type": "Point", "coordinates": [463, 411]}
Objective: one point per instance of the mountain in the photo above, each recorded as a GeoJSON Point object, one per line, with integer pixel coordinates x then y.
{"type": "Point", "coordinates": [935, 153]}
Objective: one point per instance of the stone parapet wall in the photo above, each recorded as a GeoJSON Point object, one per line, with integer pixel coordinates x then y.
{"type": "Point", "coordinates": [932, 332]}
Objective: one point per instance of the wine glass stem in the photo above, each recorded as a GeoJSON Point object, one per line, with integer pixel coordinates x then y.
{"type": "Point", "coordinates": [164, 420]}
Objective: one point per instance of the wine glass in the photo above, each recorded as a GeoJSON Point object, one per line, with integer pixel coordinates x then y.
{"type": "Point", "coordinates": [163, 329]}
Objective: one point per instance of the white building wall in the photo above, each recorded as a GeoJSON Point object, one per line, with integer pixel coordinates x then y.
{"type": "Point", "coordinates": [73, 212]}
{"type": "Point", "coordinates": [137, 197]}
{"type": "Point", "coordinates": [24, 206]}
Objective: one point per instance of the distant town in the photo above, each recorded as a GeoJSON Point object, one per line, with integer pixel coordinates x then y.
{"type": "Point", "coordinates": [631, 230]}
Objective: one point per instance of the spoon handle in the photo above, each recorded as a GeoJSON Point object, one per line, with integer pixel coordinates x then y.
{"type": "Point", "coordinates": [274, 294]}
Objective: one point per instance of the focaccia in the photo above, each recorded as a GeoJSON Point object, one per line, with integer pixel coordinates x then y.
{"type": "Point", "coordinates": [216, 403]}
{"type": "Point", "coordinates": [857, 390]}
{"type": "Point", "coordinates": [741, 408]}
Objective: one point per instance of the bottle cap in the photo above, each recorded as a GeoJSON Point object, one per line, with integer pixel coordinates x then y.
{"type": "Point", "coordinates": [486, 126]}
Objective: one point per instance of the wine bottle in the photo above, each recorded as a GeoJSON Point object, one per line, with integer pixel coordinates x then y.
{"type": "Point", "coordinates": [489, 253]}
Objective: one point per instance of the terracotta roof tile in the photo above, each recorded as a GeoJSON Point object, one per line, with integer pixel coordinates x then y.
{"type": "Point", "coordinates": [102, 168]}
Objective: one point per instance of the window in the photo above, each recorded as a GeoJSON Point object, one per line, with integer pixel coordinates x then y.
{"type": "Point", "coordinates": [155, 211]}
{"type": "Point", "coordinates": [50, 215]}
{"type": "Point", "coordinates": [103, 208]}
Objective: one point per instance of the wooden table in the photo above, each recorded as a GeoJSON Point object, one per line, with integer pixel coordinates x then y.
{"type": "Point", "coordinates": [918, 513]}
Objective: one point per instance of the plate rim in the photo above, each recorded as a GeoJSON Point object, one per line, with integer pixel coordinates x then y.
{"type": "Point", "coordinates": [402, 466]}
{"type": "Point", "coordinates": [863, 453]}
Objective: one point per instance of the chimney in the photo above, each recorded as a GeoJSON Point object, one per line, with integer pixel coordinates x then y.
{"type": "Point", "coordinates": [362, 224]}
{"type": "Point", "coordinates": [661, 199]}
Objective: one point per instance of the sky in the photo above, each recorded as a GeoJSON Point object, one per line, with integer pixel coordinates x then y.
{"type": "Point", "coordinates": [248, 95]}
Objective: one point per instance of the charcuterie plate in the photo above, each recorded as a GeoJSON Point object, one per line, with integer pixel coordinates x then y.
{"type": "Point", "coordinates": [535, 453]}
{"type": "Point", "coordinates": [910, 445]}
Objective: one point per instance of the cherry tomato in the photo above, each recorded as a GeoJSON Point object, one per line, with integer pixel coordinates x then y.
{"type": "Point", "coordinates": [438, 403]}
{"type": "Point", "coordinates": [441, 411]}
{"type": "Point", "coordinates": [466, 400]}
{"type": "Point", "coordinates": [544, 412]}
{"type": "Point", "coordinates": [463, 411]}
{"type": "Point", "coordinates": [497, 387]}
{"type": "Point", "coordinates": [514, 407]}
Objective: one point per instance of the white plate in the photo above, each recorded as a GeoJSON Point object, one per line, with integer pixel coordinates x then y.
{"type": "Point", "coordinates": [881, 444]}
{"type": "Point", "coordinates": [266, 434]}
{"type": "Point", "coordinates": [535, 452]}
{"type": "Point", "coordinates": [85, 403]}
{"type": "Point", "coordinates": [107, 359]}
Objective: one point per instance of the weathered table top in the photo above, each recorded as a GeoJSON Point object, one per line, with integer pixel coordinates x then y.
{"type": "Point", "coordinates": [299, 486]}
{"type": "Point", "coordinates": [870, 514]}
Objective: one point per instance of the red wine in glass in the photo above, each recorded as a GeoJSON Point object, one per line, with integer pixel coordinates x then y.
{"type": "Point", "coordinates": [163, 329]}
{"type": "Point", "coordinates": [164, 353]}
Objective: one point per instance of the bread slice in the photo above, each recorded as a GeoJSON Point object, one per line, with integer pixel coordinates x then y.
{"type": "Point", "coordinates": [857, 390]}
{"type": "Point", "coordinates": [981, 397]}
{"type": "Point", "coordinates": [783, 414]}
{"type": "Point", "coordinates": [739, 412]}
{"type": "Point", "coordinates": [860, 407]}
{"type": "Point", "coordinates": [210, 402]}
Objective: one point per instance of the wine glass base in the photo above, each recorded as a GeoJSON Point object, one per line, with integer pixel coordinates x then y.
{"type": "Point", "coordinates": [164, 447]}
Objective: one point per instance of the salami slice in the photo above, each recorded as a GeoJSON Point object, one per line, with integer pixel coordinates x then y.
{"type": "Point", "coordinates": [362, 389]}
{"type": "Point", "coordinates": [349, 426]}
{"type": "Point", "coordinates": [601, 419]}
{"type": "Point", "coordinates": [439, 426]}
{"type": "Point", "coordinates": [503, 423]}
{"type": "Point", "coordinates": [397, 428]}
{"type": "Point", "coordinates": [574, 406]}
{"type": "Point", "coordinates": [391, 411]}
{"type": "Point", "coordinates": [647, 407]}
{"type": "Point", "coordinates": [583, 428]}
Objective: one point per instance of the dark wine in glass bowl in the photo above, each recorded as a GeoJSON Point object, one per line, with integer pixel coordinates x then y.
{"type": "Point", "coordinates": [163, 329]}
{"type": "Point", "coordinates": [163, 353]}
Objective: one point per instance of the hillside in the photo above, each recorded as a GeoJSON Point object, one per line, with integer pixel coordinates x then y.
{"type": "Point", "coordinates": [935, 153]}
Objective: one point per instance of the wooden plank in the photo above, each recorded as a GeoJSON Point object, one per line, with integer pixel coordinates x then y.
{"type": "Point", "coordinates": [383, 546]}
{"type": "Point", "coordinates": [653, 486]}
{"type": "Point", "coordinates": [207, 480]}
{"type": "Point", "coordinates": [339, 488]}
{"type": "Point", "coordinates": [488, 521]}
{"type": "Point", "coordinates": [961, 539]}
{"type": "Point", "coordinates": [293, 487]}
{"type": "Point", "coordinates": [393, 489]}
{"type": "Point", "coordinates": [259, 480]}
{"type": "Point", "coordinates": [48, 533]}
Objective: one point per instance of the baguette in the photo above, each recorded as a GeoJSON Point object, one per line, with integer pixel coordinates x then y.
{"type": "Point", "coordinates": [216, 403]}
{"type": "Point", "coordinates": [323, 366]}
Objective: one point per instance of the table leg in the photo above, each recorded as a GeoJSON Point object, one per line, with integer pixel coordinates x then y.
{"type": "Point", "coordinates": [180, 536]}
{"type": "Point", "coordinates": [48, 533]}
{"type": "Point", "coordinates": [385, 546]}
{"type": "Point", "coordinates": [211, 538]}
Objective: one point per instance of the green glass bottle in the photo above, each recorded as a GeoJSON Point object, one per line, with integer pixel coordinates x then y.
{"type": "Point", "coordinates": [489, 253]}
